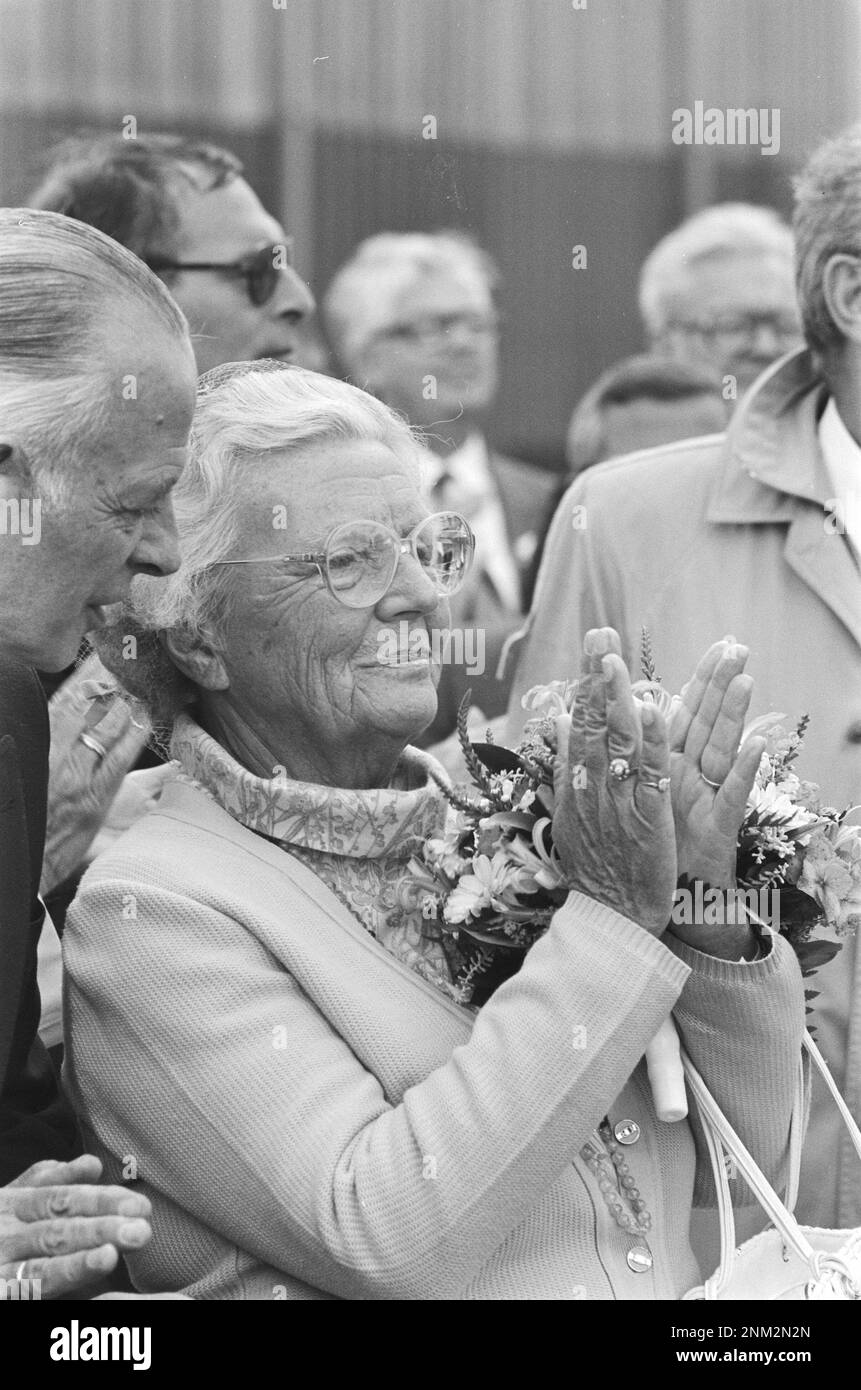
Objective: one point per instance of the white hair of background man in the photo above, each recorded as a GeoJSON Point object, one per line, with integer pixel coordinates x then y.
{"type": "Point", "coordinates": [826, 222]}
{"type": "Point", "coordinates": [669, 273]}
{"type": "Point", "coordinates": [362, 299]}
{"type": "Point", "coordinates": [246, 415]}
{"type": "Point", "coordinates": [61, 283]}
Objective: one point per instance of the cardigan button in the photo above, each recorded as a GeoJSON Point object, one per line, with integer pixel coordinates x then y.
{"type": "Point", "coordinates": [639, 1259]}
{"type": "Point", "coordinates": [627, 1131]}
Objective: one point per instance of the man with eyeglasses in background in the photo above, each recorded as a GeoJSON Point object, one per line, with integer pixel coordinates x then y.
{"type": "Point", "coordinates": [411, 317]}
{"type": "Point", "coordinates": [719, 292]}
{"type": "Point", "coordinates": [755, 532]}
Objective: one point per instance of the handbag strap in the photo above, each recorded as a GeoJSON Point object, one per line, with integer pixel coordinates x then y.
{"type": "Point", "coordinates": [796, 1138]}
{"type": "Point", "coordinates": [722, 1139]}
{"type": "Point", "coordinates": [825, 1072]}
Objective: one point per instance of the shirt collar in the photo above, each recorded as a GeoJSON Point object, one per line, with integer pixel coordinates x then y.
{"type": "Point", "coordinates": [772, 452]}
{"type": "Point", "coordinates": [842, 454]}
{"type": "Point", "coordinates": [468, 463]}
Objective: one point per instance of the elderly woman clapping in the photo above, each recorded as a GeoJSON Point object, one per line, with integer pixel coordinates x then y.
{"type": "Point", "coordinates": [259, 1028]}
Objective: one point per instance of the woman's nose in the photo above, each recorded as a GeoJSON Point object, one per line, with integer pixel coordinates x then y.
{"type": "Point", "coordinates": [412, 589]}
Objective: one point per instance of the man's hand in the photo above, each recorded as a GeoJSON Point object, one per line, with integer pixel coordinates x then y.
{"type": "Point", "coordinates": [82, 783]}
{"type": "Point", "coordinates": [57, 1225]}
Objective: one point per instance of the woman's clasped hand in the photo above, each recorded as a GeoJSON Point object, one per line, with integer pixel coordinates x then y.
{"type": "Point", "coordinates": [643, 802]}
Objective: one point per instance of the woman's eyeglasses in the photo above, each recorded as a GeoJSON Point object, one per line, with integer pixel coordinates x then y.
{"type": "Point", "coordinates": [360, 558]}
{"type": "Point", "coordinates": [261, 270]}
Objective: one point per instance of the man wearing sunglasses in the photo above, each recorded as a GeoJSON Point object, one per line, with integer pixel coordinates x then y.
{"type": "Point", "coordinates": [183, 206]}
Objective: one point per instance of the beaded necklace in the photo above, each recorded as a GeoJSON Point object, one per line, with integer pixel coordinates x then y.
{"type": "Point", "coordinates": [606, 1160]}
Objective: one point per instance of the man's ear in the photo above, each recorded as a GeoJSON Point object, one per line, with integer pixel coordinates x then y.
{"type": "Point", "coordinates": [841, 286]}
{"type": "Point", "coordinates": [197, 657]}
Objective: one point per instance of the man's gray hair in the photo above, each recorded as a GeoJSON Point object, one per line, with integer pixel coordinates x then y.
{"type": "Point", "coordinates": [727, 229]}
{"type": "Point", "coordinates": [361, 298]}
{"type": "Point", "coordinates": [827, 221]}
{"type": "Point", "coordinates": [60, 280]}
{"type": "Point", "coordinates": [248, 414]}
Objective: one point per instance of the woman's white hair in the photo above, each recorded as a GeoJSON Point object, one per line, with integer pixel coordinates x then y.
{"type": "Point", "coordinates": [60, 280]}
{"type": "Point", "coordinates": [727, 229]}
{"type": "Point", "coordinates": [361, 300]}
{"type": "Point", "coordinates": [247, 414]}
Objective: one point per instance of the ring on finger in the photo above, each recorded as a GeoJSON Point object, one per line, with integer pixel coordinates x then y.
{"type": "Point", "coordinates": [20, 1271]}
{"type": "Point", "coordinates": [709, 782]}
{"type": "Point", "coordinates": [90, 741]}
{"type": "Point", "coordinates": [620, 768]}
{"type": "Point", "coordinates": [662, 784]}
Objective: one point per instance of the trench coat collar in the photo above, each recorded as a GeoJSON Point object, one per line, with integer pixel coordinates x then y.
{"type": "Point", "coordinates": [772, 452]}
{"type": "Point", "coordinates": [774, 471]}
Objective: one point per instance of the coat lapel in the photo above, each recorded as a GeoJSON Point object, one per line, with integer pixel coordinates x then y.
{"type": "Point", "coordinates": [775, 472]}
{"type": "Point", "coordinates": [826, 564]}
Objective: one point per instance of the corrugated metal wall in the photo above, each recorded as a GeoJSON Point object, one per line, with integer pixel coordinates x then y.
{"type": "Point", "coordinates": [553, 128]}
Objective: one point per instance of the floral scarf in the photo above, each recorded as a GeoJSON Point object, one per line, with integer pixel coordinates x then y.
{"type": "Point", "coordinates": [358, 842]}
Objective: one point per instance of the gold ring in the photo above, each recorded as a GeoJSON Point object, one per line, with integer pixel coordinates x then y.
{"type": "Point", "coordinates": [18, 1271]}
{"type": "Point", "coordinates": [662, 784]}
{"type": "Point", "coordinates": [710, 783]}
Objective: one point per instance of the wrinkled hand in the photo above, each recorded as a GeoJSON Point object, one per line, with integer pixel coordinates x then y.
{"type": "Point", "coordinates": [67, 1230]}
{"type": "Point", "coordinates": [615, 839]}
{"type": "Point", "coordinates": [82, 785]}
{"type": "Point", "coordinates": [705, 734]}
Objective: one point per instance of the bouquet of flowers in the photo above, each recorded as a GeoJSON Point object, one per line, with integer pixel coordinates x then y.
{"type": "Point", "coordinates": [493, 881]}
{"type": "Point", "coordinates": [806, 853]}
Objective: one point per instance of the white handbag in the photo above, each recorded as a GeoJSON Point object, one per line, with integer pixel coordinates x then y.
{"type": "Point", "coordinates": [786, 1261]}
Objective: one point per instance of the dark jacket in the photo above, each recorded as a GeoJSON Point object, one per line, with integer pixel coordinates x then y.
{"type": "Point", "coordinates": [35, 1120]}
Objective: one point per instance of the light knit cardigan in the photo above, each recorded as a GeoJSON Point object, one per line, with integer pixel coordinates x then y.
{"type": "Point", "coordinates": [312, 1119]}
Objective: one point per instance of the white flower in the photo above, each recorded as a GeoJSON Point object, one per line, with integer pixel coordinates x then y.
{"type": "Point", "coordinates": [557, 697]}
{"type": "Point", "coordinates": [653, 693]}
{"type": "Point", "coordinates": [494, 883]}
{"type": "Point", "coordinates": [769, 803]}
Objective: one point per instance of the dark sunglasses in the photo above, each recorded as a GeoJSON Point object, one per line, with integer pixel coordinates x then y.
{"type": "Point", "coordinates": [260, 271]}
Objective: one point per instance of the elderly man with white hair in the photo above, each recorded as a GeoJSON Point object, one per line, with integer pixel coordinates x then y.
{"type": "Point", "coordinates": [412, 319]}
{"type": "Point", "coordinates": [718, 293]}
{"type": "Point", "coordinates": [97, 383]}
{"type": "Point", "coordinates": [755, 532]}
